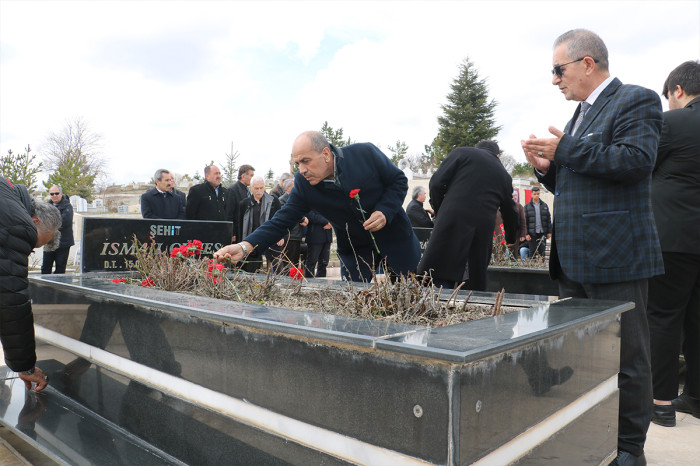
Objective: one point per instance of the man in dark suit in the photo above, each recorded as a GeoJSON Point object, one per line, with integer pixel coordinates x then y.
{"type": "Point", "coordinates": [163, 201]}
{"type": "Point", "coordinates": [368, 228]}
{"type": "Point", "coordinates": [539, 224]}
{"type": "Point", "coordinates": [207, 201]}
{"type": "Point", "coordinates": [236, 193]}
{"type": "Point", "coordinates": [674, 298]}
{"type": "Point", "coordinates": [465, 193]}
{"type": "Point", "coordinates": [416, 213]}
{"type": "Point", "coordinates": [604, 242]}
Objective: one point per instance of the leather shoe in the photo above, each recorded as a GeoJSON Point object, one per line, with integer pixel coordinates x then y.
{"type": "Point", "coordinates": [625, 458]}
{"type": "Point", "coordinates": [686, 404]}
{"type": "Point", "coordinates": [664, 415]}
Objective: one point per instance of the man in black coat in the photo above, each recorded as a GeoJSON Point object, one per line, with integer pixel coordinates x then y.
{"type": "Point", "coordinates": [416, 213]}
{"type": "Point", "coordinates": [236, 194]}
{"type": "Point", "coordinates": [25, 223]}
{"type": "Point", "coordinates": [163, 201]}
{"type": "Point", "coordinates": [674, 297]}
{"type": "Point", "coordinates": [207, 201]}
{"type": "Point", "coordinates": [465, 193]}
{"type": "Point", "coordinates": [59, 256]}
{"type": "Point", "coordinates": [539, 224]}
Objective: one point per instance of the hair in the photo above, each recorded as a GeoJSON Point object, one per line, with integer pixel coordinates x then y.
{"type": "Point", "coordinates": [60, 189]}
{"type": "Point", "coordinates": [318, 141]}
{"type": "Point", "coordinates": [207, 169]}
{"type": "Point", "coordinates": [284, 177]}
{"type": "Point", "coordinates": [584, 43]}
{"type": "Point", "coordinates": [686, 75]}
{"type": "Point", "coordinates": [287, 183]}
{"type": "Point", "coordinates": [162, 171]}
{"type": "Point", "coordinates": [257, 179]}
{"type": "Point", "coordinates": [243, 169]}
{"type": "Point", "coordinates": [489, 145]}
{"type": "Point", "coordinates": [535, 189]}
{"type": "Point", "coordinates": [416, 191]}
{"type": "Point", "coordinates": [49, 221]}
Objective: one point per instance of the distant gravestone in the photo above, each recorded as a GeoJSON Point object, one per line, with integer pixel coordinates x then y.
{"type": "Point", "coordinates": [108, 243]}
{"type": "Point", "coordinates": [79, 204]}
{"type": "Point", "coordinates": [123, 209]}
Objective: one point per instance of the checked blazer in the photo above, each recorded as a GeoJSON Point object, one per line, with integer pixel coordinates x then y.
{"type": "Point", "coordinates": [604, 229]}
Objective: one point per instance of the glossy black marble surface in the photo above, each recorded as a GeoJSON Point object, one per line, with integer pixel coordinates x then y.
{"type": "Point", "coordinates": [447, 395]}
{"type": "Point", "coordinates": [107, 242]}
{"type": "Point", "coordinates": [521, 280]}
{"type": "Point", "coordinates": [102, 418]}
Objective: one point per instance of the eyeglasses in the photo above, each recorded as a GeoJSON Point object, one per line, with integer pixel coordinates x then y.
{"type": "Point", "coordinates": [54, 194]}
{"type": "Point", "coordinates": [560, 73]}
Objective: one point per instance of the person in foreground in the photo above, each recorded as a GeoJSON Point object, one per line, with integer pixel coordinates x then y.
{"type": "Point", "coordinates": [370, 226]}
{"type": "Point", "coordinates": [604, 242]}
{"type": "Point", "coordinates": [674, 297]}
{"type": "Point", "coordinates": [25, 223]}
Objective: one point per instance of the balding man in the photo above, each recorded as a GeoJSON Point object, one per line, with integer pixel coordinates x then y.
{"type": "Point", "coordinates": [207, 201]}
{"type": "Point", "coordinates": [370, 227]}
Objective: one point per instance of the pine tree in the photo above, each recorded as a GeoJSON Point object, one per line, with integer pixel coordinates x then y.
{"type": "Point", "coordinates": [21, 168]}
{"type": "Point", "coordinates": [468, 115]}
{"type": "Point", "coordinates": [398, 152]}
{"type": "Point", "coordinates": [73, 178]}
{"type": "Point", "coordinates": [335, 137]}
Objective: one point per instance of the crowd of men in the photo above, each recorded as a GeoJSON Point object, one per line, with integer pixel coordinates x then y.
{"type": "Point", "coordinates": [617, 164]}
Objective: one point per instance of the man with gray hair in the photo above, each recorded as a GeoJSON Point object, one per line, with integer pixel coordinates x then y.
{"type": "Point", "coordinates": [253, 212]}
{"type": "Point", "coordinates": [278, 190]}
{"type": "Point", "coordinates": [25, 223]}
{"type": "Point", "coordinates": [416, 213]}
{"type": "Point", "coordinates": [163, 201]}
{"type": "Point", "coordinates": [59, 256]}
{"type": "Point", "coordinates": [604, 239]}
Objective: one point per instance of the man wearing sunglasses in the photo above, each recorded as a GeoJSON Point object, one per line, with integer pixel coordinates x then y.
{"type": "Point", "coordinates": [59, 255]}
{"type": "Point", "coordinates": [604, 243]}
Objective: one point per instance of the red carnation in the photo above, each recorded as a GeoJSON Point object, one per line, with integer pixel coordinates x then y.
{"type": "Point", "coordinates": [296, 273]}
{"type": "Point", "coordinates": [354, 193]}
{"type": "Point", "coordinates": [148, 282]}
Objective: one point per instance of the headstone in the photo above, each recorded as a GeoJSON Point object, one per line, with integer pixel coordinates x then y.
{"type": "Point", "coordinates": [108, 243]}
{"type": "Point", "coordinates": [79, 204]}
{"type": "Point", "coordinates": [123, 209]}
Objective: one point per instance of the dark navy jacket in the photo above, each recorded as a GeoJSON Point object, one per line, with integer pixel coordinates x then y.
{"type": "Point", "coordinates": [382, 187]}
{"type": "Point", "coordinates": [170, 206]}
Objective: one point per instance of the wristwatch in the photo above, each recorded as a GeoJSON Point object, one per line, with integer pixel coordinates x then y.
{"type": "Point", "coordinates": [244, 249]}
{"type": "Point", "coordinates": [29, 372]}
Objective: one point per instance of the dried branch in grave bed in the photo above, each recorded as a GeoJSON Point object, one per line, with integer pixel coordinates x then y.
{"type": "Point", "coordinates": [405, 299]}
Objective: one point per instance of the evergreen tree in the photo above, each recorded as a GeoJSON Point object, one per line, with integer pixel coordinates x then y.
{"type": "Point", "coordinates": [335, 137]}
{"type": "Point", "coordinates": [521, 169]}
{"type": "Point", "coordinates": [468, 115]}
{"type": "Point", "coordinates": [229, 171]}
{"type": "Point", "coordinates": [21, 168]}
{"type": "Point", "coordinates": [73, 178]}
{"type": "Point", "coordinates": [270, 175]}
{"type": "Point", "coordinates": [398, 152]}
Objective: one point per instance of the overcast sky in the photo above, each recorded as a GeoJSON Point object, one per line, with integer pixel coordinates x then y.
{"type": "Point", "coordinates": [173, 83]}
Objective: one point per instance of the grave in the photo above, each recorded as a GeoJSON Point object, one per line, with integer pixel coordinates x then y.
{"type": "Point", "coordinates": [144, 376]}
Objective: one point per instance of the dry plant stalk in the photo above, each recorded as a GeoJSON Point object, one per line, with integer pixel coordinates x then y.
{"type": "Point", "coordinates": [406, 299]}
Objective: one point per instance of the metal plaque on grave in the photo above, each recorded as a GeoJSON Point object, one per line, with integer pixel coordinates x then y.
{"type": "Point", "coordinates": [108, 243]}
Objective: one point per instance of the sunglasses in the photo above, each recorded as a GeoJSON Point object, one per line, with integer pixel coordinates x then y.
{"type": "Point", "coordinates": [560, 72]}
{"type": "Point", "coordinates": [54, 194]}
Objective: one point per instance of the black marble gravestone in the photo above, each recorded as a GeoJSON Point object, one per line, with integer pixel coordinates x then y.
{"type": "Point", "coordinates": [108, 243]}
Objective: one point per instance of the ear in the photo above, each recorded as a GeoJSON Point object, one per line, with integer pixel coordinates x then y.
{"type": "Point", "coordinates": [36, 221]}
{"type": "Point", "coordinates": [678, 92]}
{"type": "Point", "coordinates": [590, 64]}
